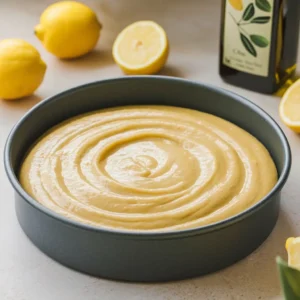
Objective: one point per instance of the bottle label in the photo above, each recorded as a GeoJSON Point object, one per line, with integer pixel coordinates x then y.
{"type": "Point", "coordinates": [247, 35]}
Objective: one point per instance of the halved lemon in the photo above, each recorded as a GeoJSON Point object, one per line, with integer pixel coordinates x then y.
{"type": "Point", "coordinates": [141, 48]}
{"type": "Point", "coordinates": [292, 246]}
{"type": "Point", "coordinates": [289, 108]}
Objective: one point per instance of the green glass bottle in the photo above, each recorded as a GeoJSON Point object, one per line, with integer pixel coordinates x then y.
{"type": "Point", "coordinates": [259, 43]}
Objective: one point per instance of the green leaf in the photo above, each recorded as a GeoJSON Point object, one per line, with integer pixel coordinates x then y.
{"type": "Point", "coordinates": [248, 45]}
{"type": "Point", "coordinates": [249, 12]}
{"type": "Point", "coordinates": [259, 40]}
{"type": "Point", "coordinates": [290, 280]}
{"type": "Point", "coordinates": [261, 20]}
{"type": "Point", "coordinates": [263, 5]}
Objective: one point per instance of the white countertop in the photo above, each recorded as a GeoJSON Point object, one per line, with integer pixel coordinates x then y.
{"type": "Point", "coordinates": [193, 29]}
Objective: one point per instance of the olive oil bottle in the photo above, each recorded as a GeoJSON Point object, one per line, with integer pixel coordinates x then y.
{"type": "Point", "coordinates": [259, 43]}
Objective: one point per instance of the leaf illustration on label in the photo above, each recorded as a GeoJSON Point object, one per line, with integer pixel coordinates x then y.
{"type": "Point", "coordinates": [261, 20]}
{"type": "Point", "coordinates": [263, 5]}
{"type": "Point", "coordinates": [249, 12]}
{"type": "Point", "coordinates": [259, 40]}
{"type": "Point", "coordinates": [248, 45]}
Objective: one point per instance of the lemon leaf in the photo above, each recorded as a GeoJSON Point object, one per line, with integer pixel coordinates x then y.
{"type": "Point", "coordinates": [259, 40]}
{"type": "Point", "coordinates": [249, 12]}
{"type": "Point", "coordinates": [263, 5]}
{"type": "Point", "coordinates": [261, 20]}
{"type": "Point", "coordinates": [248, 45]}
{"type": "Point", "coordinates": [290, 280]}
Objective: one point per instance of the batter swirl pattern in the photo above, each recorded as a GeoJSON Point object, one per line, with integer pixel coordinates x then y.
{"type": "Point", "coordinates": [148, 168]}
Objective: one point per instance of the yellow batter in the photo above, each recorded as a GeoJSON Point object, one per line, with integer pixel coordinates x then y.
{"type": "Point", "coordinates": [148, 168]}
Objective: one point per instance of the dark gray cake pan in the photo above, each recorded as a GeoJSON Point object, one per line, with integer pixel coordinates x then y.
{"type": "Point", "coordinates": [132, 256]}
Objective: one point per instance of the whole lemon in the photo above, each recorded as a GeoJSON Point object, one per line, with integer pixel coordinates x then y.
{"type": "Point", "coordinates": [21, 69]}
{"type": "Point", "coordinates": [68, 29]}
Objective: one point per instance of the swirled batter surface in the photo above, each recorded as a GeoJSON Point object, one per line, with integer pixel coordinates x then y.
{"type": "Point", "coordinates": [148, 168]}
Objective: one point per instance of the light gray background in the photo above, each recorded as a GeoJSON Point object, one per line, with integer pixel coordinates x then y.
{"type": "Point", "coordinates": [193, 30]}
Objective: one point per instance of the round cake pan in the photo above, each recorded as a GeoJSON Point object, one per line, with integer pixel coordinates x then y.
{"type": "Point", "coordinates": [146, 256]}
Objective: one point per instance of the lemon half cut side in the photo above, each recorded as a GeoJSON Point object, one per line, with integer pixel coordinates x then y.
{"type": "Point", "coordinates": [142, 48]}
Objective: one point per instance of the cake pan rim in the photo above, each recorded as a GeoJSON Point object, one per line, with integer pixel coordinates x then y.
{"type": "Point", "coordinates": [150, 234]}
